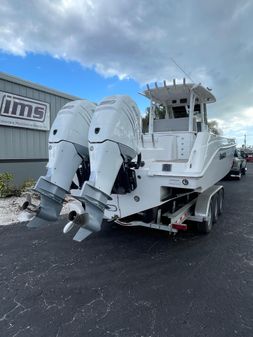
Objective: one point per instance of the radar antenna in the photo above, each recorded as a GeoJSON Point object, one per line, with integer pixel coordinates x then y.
{"type": "Point", "coordinates": [179, 67]}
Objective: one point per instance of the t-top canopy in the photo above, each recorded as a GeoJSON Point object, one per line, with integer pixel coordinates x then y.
{"type": "Point", "coordinates": [178, 94]}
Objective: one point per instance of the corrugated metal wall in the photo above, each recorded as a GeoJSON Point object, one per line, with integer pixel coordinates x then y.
{"type": "Point", "coordinates": [21, 143]}
{"type": "Point", "coordinates": [24, 152]}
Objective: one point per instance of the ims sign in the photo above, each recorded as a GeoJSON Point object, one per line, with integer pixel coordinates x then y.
{"type": "Point", "coordinates": [23, 112]}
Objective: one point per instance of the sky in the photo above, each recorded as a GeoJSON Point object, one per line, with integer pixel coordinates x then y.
{"type": "Point", "coordinates": [95, 48]}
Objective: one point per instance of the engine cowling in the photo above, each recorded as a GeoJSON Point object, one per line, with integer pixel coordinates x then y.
{"type": "Point", "coordinates": [68, 147]}
{"type": "Point", "coordinates": [114, 138]}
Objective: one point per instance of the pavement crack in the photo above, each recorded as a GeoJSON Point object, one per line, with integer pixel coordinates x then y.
{"type": "Point", "coordinates": [152, 246]}
{"type": "Point", "coordinates": [18, 305]}
{"type": "Point", "coordinates": [21, 330]}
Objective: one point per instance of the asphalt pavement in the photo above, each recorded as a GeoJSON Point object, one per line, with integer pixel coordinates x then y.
{"type": "Point", "coordinates": [131, 282]}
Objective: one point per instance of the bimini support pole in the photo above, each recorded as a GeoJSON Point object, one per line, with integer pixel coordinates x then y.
{"type": "Point", "coordinates": [151, 114]}
{"type": "Point", "coordinates": [191, 110]}
{"type": "Point", "coordinates": [151, 119]}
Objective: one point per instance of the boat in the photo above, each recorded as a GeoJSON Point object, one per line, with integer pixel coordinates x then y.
{"type": "Point", "coordinates": [179, 151]}
{"type": "Point", "coordinates": [157, 178]}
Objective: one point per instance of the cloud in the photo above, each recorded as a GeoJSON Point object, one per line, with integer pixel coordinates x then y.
{"type": "Point", "coordinates": [238, 125]}
{"type": "Point", "coordinates": [211, 40]}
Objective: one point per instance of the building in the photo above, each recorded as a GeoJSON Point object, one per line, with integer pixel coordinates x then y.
{"type": "Point", "coordinates": [27, 111]}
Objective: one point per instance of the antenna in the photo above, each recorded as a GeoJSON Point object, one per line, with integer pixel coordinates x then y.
{"type": "Point", "coordinates": [181, 69]}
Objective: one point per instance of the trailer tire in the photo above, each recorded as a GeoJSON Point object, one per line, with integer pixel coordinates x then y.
{"type": "Point", "coordinates": [220, 201]}
{"type": "Point", "coordinates": [215, 208]}
{"type": "Point", "coordinates": [206, 226]}
{"type": "Point", "coordinates": [243, 170]}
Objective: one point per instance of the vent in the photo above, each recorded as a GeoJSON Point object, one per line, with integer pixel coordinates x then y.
{"type": "Point", "coordinates": [166, 167]}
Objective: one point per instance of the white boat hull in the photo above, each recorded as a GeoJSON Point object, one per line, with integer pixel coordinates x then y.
{"type": "Point", "coordinates": [209, 160]}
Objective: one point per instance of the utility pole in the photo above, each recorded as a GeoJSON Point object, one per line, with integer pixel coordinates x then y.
{"type": "Point", "coordinates": [245, 140]}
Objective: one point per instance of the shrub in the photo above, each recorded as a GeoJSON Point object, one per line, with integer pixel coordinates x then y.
{"type": "Point", "coordinates": [6, 184]}
{"type": "Point", "coordinates": [8, 189]}
{"type": "Point", "coordinates": [27, 185]}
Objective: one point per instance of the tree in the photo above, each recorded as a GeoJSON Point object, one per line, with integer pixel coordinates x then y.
{"type": "Point", "coordinates": [159, 113]}
{"type": "Point", "coordinates": [145, 121]}
{"type": "Point", "coordinates": [214, 127]}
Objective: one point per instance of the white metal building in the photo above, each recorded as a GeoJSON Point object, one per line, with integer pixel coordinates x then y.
{"type": "Point", "coordinates": [27, 111]}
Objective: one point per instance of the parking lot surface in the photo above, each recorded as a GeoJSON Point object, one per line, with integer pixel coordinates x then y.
{"type": "Point", "coordinates": [131, 282]}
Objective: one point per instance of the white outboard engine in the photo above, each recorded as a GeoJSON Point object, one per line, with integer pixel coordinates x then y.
{"type": "Point", "coordinates": [114, 137]}
{"type": "Point", "coordinates": [68, 148]}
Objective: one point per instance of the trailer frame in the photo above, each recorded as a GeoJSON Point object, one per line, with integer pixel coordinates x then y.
{"type": "Point", "coordinates": [204, 210]}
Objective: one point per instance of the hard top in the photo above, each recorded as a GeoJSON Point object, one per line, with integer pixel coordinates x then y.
{"type": "Point", "coordinates": [178, 94]}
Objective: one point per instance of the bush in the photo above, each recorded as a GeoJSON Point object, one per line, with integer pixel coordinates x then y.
{"type": "Point", "coordinates": [8, 189]}
{"type": "Point", "coordinates": [6, 184]}
{"type": "Point", "coordinates": [27, 185]}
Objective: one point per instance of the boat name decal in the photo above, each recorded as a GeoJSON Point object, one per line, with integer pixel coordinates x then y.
{"type": "Point", "coordinates": [223, 155]}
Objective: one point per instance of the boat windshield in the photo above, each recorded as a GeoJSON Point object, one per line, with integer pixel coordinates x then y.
{"type": "Point", "coordinates": [180, 111]}
{"type": "Point", "coordinates": [186, 102]}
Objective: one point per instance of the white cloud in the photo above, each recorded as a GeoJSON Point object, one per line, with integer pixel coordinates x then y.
{"type": "Point", "coordinates": [211, 40]}
{"type": "Point", "coordinates": [241, 122]}
{"type": "Point", "coordinates": [238, 125]}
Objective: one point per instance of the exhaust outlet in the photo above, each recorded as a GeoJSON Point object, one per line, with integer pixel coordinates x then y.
{"type": "Point", "coordinates": [28, 210]}
{"type": "Point", "coordinates": [72, 215]}
{"type": "Point", "coordinates": [79, 220]}
{"type": "Point", "coordinates": [76, 216]}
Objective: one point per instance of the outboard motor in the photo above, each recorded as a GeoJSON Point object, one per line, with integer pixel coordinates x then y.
{"type": "Point", "coordinates": [114, 138]}
{"type": "Point", "coordinates": [68, 148]}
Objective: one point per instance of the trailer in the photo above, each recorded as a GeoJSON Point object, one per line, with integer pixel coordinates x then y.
{"type": "Point", "coordinates": [203, 209]}
{"type": "Point", "coordinates": [160, 179]}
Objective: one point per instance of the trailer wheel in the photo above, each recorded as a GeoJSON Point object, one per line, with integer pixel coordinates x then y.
{"type": "Point", "coordinates": [220, 201]}
{"type": "Point", "coordinates": [205, 227]}
{"type": "Point", "coordinates": [215, 208]}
